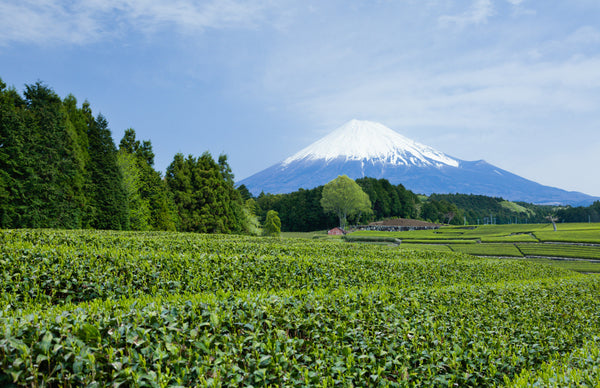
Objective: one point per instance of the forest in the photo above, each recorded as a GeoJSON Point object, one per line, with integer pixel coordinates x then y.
{"type": "Point", "coordinates": [61, 168]}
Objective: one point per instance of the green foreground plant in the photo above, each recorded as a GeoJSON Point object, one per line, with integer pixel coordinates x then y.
{"type": "Point", "coordinates": [166, 309]}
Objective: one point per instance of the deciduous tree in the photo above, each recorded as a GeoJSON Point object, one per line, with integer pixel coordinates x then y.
{"type": "Point", "coordinates": [344, 197]}
{"type": "Point", "coordinates": [272, 225]}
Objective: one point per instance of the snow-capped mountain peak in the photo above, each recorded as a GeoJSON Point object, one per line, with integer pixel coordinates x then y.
{"type": "Point", "coordinates": [367, 140]}
{"type": "Point", "coordinates": [366, 149]}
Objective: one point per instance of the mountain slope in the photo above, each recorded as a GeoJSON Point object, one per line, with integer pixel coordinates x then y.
{"type": "Point", "coordinates": [363, 148]}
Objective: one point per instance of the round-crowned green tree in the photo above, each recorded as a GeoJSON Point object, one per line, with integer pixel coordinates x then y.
{"type": "Point", "coordinates": [345, 198]}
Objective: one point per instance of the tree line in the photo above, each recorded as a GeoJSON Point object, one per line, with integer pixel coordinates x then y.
{"type": "Point", "coordinates": [60, 168]}
{"type": "Point", "coordinates": [301, 210]}
{"type": "Point", "coordinates": [580, 213]}
{"type": "Point", "coordinates": [480, 209]}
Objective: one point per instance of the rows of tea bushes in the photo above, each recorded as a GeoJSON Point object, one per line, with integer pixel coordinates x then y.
{"type": "Point", "coordinates": [490, 249]}
{"type": "Point", "coordinates": [426, 247]}
{"type": "Point", "coordinates": [572, 241]}
{"type": "Point", "coordinates": [88, 308]}
{"type": "Point", "coordinates": [581, 368]}
{"type": "Point", "coordinates": [560, 250]}
{"type": "Point", "coordinates": [586, 233]}
{"type": "Point", "coordinates": [62, 268]}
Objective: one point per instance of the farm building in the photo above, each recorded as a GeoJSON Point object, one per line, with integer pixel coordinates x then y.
{"type": "Point", "coordinates": [336, 232]}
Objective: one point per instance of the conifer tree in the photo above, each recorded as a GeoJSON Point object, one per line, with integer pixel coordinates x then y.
{"type": "Point", "coordinates": [148, 191]}
{"type": "Point", "coordinates": [12, 158]}
{"type": "Point", "coordinates": [108, 197]}
{"type": "Point", "coordinates": [206, 200]}
{"type": "Point", "coordinates": [51, 184]}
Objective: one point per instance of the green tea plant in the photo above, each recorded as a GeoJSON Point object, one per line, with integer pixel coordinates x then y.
{"type": "Point", "coordinates": [93, 308]}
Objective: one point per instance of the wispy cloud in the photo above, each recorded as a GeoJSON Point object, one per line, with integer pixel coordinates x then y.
{"type": "Point", "coordinates": [59, 22]}
{"type": "Point", "coordinates": [495, 97]}
{"type": "Point", "coordinates": [479, 12]}
{"type": "Point", "coordinates": [42, 21]}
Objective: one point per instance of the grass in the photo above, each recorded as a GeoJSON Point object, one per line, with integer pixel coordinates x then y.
{"type": "Point", "coordinates": [515, 207]}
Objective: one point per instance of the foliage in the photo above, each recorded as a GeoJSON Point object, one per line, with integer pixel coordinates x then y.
{"type": "Point", "coordinates": [106, 308]}
{"type": "Point", "coordinates": [491, 249]}
{"type": "Point", "coordinates": [251, 223]}
{"type": "Point", "coordinates": [244, 192]}
{"type": "Point", "coordinates": [388, 200]}
{"type": "Point", "coordinates": [580, 368]}
{"type": "Point", "coordinates": [578, 241]}
{"type": "Point", "coordinates": [60, 168]}
{"type": "Point", "coordinates": [590, 236]}
{"type": "Point", "coordinates": [299, 211]}
{"type": "Point", "coordinates": [477, 209]}
{"type": "Point", "coordinates": [204, 195]}
{"type": "Point", "coordinates": [344, 197]}
{"type": "Point", "coordinates": [580, 214]}
{"type": "Point", "coordinates": [560, 250]}
{"type": "Point", "coordinates": [573, 265]}
{"type": "Point", "coordinates": [272, 225]}
{"type": "Point", "coordinates": [41, 176]}
{"type": "Point", "coordinates": [441, 211]}
{"type": "Point", "coordinates": [108, 197]}
{"type": "Point", "coordinates": [426, 247]}
{"type": "Point", "coordinates": [149, 194]}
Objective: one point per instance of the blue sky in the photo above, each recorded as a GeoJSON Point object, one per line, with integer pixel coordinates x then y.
{"type": "Point", "coordinates": [514, 82]}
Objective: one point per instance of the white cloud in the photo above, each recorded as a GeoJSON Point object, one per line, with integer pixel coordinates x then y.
{"type": "Point", "coordinates": [479, 13]}
{"type": "Point", "coordinates": [43, 21]}
{"type": "Point", "coordinates": [583, 36]}
{"type": "Point", "coordinates": [46, 21]}
{"type": "Point", "coordinates": [581, 42]}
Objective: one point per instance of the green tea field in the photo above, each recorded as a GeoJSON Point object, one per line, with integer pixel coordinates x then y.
{"type": "Point", "coordinates": [568, 246]}
{"type": "Point", "coordinates": [159, 309]}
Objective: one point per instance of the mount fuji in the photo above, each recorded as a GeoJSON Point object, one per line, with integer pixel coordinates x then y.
{"type": "Point", "coordinates": [368, 149]}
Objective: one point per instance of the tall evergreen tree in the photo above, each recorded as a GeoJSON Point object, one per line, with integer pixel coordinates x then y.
{"type": "Point", "coordinates": [52, 184]}
{"type": "Point", "coordinates": [148, 190]}
{"type": "Point", "coordinates": [206, 200]}
{"type": "Point", "coordinates": [12, 158]}
{"type": "Point", "coordinates": [388, 200]}
{"type": "Point", "coordinates": [138, 208]}
{"type": "Point", "coordinates": [108, 197]}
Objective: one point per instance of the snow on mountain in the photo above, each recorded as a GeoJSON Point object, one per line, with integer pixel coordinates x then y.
{"type": "Point", "coordinates": [367, 149]}
{"type": "Point", "coordinates": [366, 140]}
